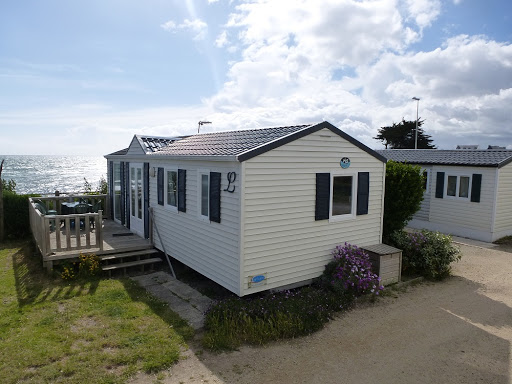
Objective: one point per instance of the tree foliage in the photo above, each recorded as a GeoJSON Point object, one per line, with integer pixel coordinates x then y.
{"type": "Point", "coordinates": [102, 187]}
{"type": "Point", "coordinates": [404, 194]}
{"type": "Point", "coordinates": [402, 136]}
{"type": "Point", "coordinates": [2, 230]}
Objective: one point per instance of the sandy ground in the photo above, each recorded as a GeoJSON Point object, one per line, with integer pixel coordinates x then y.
{"type": "Point", "coordinates": [455, 331]}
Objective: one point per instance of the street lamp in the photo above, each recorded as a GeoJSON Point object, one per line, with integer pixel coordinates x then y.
{"type": "Point", "coordinates": [201, 123]}
{"type": "Point", "coordinates": [416, 131]}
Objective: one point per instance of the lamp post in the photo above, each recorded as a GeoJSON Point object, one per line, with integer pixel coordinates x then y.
{"type": "Point", "coordinates": [202, 123]}
{"type": "Point", "coordinates": [416, 131]}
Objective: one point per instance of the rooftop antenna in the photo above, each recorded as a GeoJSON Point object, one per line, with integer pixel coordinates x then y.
{"type": "Point", "coordinates": [202, 123]}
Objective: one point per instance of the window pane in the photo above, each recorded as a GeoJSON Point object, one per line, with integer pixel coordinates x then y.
{"type": "Point", "coordinates": [117, 191]}
{"type": "Point", "coordinates": [342, 195]}
{"type": "Point", "coordinates": [204, 195]}
{"type": "Point", "coordinates": [132, 186]}
{"type": "Point", "coordinates": [139, 192]}
{"type": "Point", "coordinates": [452, 186]}
{"type": "Point", "coordinates": [464, 186]}
{"type": "Point", "coordinates": [172, 184]}
{"type": "Point", "coordinates": [425, 179]}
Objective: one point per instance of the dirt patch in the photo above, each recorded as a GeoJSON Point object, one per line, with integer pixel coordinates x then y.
{"type": "Point", "coordinates": [455, 331]}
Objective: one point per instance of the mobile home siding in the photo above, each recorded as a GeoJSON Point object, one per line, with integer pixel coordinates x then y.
{"type": "Point", "coordinates": [210, 248]}
{"type": "Point", "coordinates": [463, 214]}
{"type": "Point", "coordinates": [503, 219]}
{"type": "Point", "coordinates": [280, 235]}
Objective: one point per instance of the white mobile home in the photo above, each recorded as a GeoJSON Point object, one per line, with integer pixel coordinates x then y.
{"type": "Point", "coordinates": [255, 209]}
{"type": "Point", "coordinates": [468, 193]}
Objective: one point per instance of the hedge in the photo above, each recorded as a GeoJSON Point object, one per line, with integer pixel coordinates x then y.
{"type": "Point", "coordinates": [16, 217]}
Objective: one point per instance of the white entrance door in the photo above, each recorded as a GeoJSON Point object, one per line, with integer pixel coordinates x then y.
{"type": "Point", "coordinates": [136, 199]}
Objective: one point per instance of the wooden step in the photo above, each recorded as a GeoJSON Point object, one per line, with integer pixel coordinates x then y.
{"type": "Point", "coordinates": [114, 256]}
{"type": "Point", "coordinates": [131, 264]}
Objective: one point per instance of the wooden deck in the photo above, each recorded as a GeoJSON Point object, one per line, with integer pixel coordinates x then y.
{"type": "Point", "coordinates": [116, 238]}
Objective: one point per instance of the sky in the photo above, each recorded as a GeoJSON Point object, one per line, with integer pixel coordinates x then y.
{"type": "Point", "coordinates": [82, 77]}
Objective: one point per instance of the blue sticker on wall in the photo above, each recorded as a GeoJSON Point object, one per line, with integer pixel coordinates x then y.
{"type": "Point", "coordinates": [258, 279]}
{"type": "Point", "coordinates": [345, 162]}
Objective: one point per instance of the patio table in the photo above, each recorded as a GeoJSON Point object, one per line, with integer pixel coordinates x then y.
{"type": "Point", "coordinates": [69, 208]}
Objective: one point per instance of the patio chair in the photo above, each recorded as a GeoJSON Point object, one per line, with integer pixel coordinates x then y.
{"type": "Point", "coordinates": [43, 205]}
{"type": "Point", "coordinates": [42, 208]}
{"type": "Point", "coordinates": [80, 208]}
{"type": "Point", "coordinates": [83, 200]}
{"type": "Point", "coordinates": [95, 208]}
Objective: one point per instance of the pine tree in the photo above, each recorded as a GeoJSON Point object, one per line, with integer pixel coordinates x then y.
{"type": "Point", "coordinates": [402, 136]}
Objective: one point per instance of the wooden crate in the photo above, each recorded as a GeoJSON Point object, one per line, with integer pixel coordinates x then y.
{"type": "Point", "coordinates": [386, 262]}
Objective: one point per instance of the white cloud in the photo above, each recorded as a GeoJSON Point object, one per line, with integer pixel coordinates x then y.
{"type": "Point", "coordinates": [222, 39]}
{"type": "Point", "coordinates": [169, 25]}
{"type": "Point", "coordinates": [93, 129]}
{"type": "Point", "coordinates": [424, 12]}
{"type": "Point", "coordinates": [290, 50]}
{"type": "Point", "coordinates": [198, 27]}
{"type": "Point", "coordinates": [288, 53]}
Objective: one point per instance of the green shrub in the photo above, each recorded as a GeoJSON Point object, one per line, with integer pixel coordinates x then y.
{"type": "Point", "coordinates": [426, 253]}
{"type": "Point", "coordinates": [16, 217]}
{"type": "Point", "coordinates": [404, 193]}
{"type": "Point", "coordinates": [273, 316]}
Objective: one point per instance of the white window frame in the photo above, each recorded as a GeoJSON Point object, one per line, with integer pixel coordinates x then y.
{"type": "Point", "coordinates": [457, 188]}
{"type": "Point", "coordinates": [352, 214]}
{"type": "Point", "coordinates": [200, 173]}
{"type": "Point", "coordinates": [117, 164]}
{"type": "Point", "coordinates": [166, 185]}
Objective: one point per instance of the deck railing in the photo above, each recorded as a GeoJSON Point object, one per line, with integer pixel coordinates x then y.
{"type": "Point", "coordinates": [55, 202]}
{"type": "Point", "coordinates": [71, 232]}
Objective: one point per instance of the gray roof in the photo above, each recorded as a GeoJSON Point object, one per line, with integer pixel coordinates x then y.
{"type": "Point", "coordinates": [121, 152]}
{"type": "Point", "coordinates": [241, 145]}
{"type": "Point", "coordinates": [249, 143]}
{"type": "Point", "coordinates": [471, 157]}
{"type": "Point", "coordinates": [231, 143]}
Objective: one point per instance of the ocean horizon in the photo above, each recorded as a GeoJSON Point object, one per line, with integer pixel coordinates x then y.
{"type": "Point", "coordinates": [45, 174]}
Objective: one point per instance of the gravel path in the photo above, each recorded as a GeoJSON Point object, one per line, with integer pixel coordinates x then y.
{"type": "Point", "coordinates": [455, 331]}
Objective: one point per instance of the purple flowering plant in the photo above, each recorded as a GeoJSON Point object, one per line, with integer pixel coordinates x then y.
{"type": "Point", "coordinates": [351, 271]}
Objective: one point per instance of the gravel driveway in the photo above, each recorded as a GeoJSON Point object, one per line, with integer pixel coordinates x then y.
{"type": "Point", "coordinates": [455, 331]}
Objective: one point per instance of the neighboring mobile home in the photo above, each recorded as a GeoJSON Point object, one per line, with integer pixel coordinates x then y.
{"type": "Point", "coordinates": [468, 193]}
{"type": "Point", "coordinates": [254, 209]}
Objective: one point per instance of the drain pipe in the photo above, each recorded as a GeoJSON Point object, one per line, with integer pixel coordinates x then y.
{"type": "Point", "coordinates": [161, 242]}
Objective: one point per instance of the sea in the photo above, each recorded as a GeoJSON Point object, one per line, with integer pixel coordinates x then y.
{"type": "Point", "coordinates": [46, 174]}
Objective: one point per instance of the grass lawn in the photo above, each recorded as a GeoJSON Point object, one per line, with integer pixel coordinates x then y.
{"type": "Point", "coordinates": [83, 331]}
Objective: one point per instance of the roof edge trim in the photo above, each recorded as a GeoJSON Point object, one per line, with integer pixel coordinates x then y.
{"type": "Point", "coordinates": [302, 133]}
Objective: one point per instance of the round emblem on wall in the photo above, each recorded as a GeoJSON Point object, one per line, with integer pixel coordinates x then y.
{"type": "Point", "coordinates": [345, 162]}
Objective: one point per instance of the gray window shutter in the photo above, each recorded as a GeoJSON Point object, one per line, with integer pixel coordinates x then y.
{"type": "Point", "coordinates": [160, 186]}
{"type": "Point", "coordinates": [476, 186]}
{"type": "Point", "coordinates": [215, 196]}
{"type": "Point", "coordinates": [182, 190]}
{"type": "Point", "coordinates": [440, 185]}
{"type": "Point", "coordinates": [323, 191]}
{"type": "Point", "coordinates": [146, 200]}
{"type": "Point", "coordinates": [363, 192]}
{"type": "Point", "coordinates": [127, 195]}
